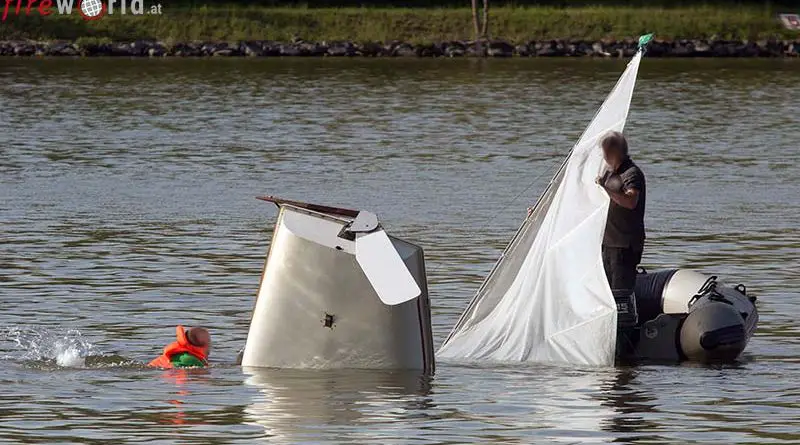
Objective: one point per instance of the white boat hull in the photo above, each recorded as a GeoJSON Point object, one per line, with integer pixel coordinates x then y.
{"type": "Point", "coordinates": [317, 309]}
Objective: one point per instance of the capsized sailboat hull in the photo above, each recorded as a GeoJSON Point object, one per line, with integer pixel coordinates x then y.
{"type": "Point", "coordinates": [317, 309]}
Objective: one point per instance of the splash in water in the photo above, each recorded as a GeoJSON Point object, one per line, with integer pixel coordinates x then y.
{"type": "Point", "coordinates": [64, 347]}
{"type": "Point", "coordinates": [71, 358]}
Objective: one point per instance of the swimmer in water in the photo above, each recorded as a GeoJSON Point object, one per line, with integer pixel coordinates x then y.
{"type": "Point", "coordinates": [190, 350]}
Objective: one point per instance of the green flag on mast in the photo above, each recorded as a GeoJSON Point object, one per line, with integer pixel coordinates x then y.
{"type": "Point", "coordinates": [644, 40]}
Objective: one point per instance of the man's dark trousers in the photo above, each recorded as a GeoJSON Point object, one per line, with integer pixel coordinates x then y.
{"type": "Point", "coordinates": [620, 265]}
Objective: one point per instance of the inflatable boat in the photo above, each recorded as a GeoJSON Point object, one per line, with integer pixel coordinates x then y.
{"type": "Point", "coordinates": [338, 292]}
{"type": "Point", "coordinates": [680, 314]}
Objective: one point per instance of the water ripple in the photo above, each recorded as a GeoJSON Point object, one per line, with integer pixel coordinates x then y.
{"type": "Point", "coordinates": [127, 206]}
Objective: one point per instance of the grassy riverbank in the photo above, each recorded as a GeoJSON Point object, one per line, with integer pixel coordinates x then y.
{"type": "Point", "coordinates": [413, 25]}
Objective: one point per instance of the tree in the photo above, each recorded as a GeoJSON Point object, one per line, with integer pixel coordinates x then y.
{"type": "Point", "coordinates": [481, 29]}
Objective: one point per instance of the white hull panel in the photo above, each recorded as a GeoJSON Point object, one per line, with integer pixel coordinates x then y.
{"type": "Point", "coordinates": [317, 309]}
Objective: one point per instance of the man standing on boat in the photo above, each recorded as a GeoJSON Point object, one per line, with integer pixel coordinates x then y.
{"type": "Point", "coordinates": [623, 241]}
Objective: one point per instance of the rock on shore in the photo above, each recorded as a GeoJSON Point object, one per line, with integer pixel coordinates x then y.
{"type": "Point", "coordinates": [493, 48]}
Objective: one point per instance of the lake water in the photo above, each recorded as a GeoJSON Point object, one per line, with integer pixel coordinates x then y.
{"type": "Point", "coordinates": [127, 206]}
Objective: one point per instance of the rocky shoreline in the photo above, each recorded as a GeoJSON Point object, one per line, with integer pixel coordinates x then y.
{"type": "Point", "coordinates": [494, 48]}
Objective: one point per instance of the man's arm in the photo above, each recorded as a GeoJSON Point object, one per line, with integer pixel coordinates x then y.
{"type": "Point", "coordinates": [628, 199]}
{"type": "Point", "coordinates": [629, 196]}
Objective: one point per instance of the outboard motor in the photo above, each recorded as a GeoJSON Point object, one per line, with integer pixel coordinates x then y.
{"type": "Point", "coordinates": [627, 320]}
{"type": "Point", "coordinates": [685, 315]}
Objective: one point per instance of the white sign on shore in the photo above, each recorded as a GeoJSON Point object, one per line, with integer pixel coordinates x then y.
{"type": "Point", "coordinates": [790, 21]}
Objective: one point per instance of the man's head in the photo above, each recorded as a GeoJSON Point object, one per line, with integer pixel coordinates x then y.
{"type": "Point", "coordinates": [199, 337]}
{"type": "Point", "coordinates": [615, 148]}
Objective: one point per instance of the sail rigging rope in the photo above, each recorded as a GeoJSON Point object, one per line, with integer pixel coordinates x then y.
{"type": "Point", "coordinates": [549, 170]}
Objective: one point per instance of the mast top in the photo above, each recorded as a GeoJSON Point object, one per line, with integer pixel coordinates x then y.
{"type": "Point", "coordinates": [644, 40]}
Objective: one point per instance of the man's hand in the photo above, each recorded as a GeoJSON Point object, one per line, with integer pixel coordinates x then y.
{"type": "Point", "coordinates": [530, 210]}
{"type": "Point", "coordinates": [628, 199]}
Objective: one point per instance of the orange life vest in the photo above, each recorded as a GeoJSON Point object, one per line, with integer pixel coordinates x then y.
{"type": "Point", "coordinates": [178, 347]}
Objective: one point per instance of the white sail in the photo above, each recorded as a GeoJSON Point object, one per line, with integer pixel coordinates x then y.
{"type": "Point", "coordinates": [547, 299]}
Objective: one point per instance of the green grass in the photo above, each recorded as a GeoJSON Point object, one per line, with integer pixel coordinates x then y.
{"type": "Point", "coordinates": [414, 25]}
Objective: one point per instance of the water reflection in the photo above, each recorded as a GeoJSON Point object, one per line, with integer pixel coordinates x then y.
{"type": "Point", "coordinates": [511, 404]}
{"type": "Point", "coordinates": [179, 378]}
{"type": "Point", "coordinates": [548, 404]}
{"type": "Point", "coordinates": [296, 405]}
{"type": "Point", "coordinates": [631, 403]}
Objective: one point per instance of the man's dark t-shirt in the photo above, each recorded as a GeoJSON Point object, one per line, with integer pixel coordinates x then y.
{"type": "Point", "coordinates": [625, 227]}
